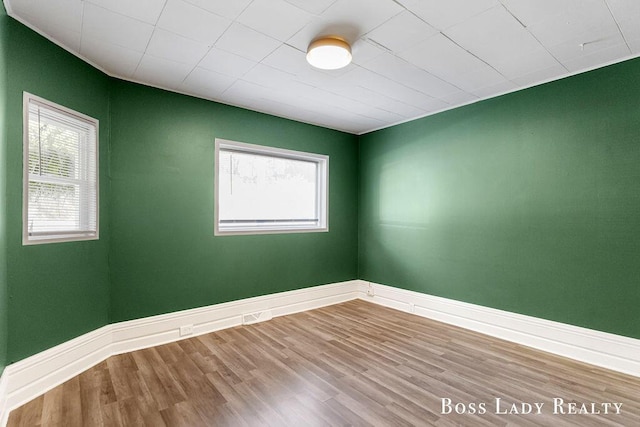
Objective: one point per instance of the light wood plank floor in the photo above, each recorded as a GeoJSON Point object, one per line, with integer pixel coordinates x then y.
{"type": "Point", "coordinates": [354, 363]}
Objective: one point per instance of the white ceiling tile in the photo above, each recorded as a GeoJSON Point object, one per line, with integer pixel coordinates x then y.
{"type": "Point", "coordinates": [316, 6]}
{"type": "Point", "coordinates": [192, 22]}
{"type": "Point", "coordinates": [442, 14]}
{"type": "Point", "coordinates": [338, 21]}
{"type": "Point", "coordinates": [339, 123]}
{"type": "Point", "coordinates": [574, 49]}
{"type": "Point", "coordinates": [364, 50]}
{"type": "Point", "coordinates": [401, 32]}
{"type": "Point", "coordinates": [284, 97]}
{"type": "Point", "coordinates": [634, 45]}
{"type": "Point", "coordinates": [284, 110]}
{"type": "Point", "coordinates": [399, 70]}
{"type": "Point", "coordinates": [300, 95]}
{"type": "Point", "coordinates": [597, 57]}
{"type": "Point", "coordinates": [275, 18]}
{"type": "Point", "coordinates": [348, 122]}
{"type": "Point", "coordinates": [60, 14]}
{"type": "Point", "coordinates": [390, 88]}
{"type": "Point", "coordinates": [402, 67]}
{"type": "Point", "coordinates": [167, 45]}
{"type": "Point", "coordinates": [337, 100]}
{"type": "Point", "coordinates": [246, 42]}
{"type": "Point", "coordinates": [259, 98]}
{"type": "Point", "coordinates": [364, 15]}
{"type": "Point", "coordinates": [117, 60]}
{"type": "Point", "coordinates": [481, 77]}
{"type": "Point", "coordinates": [287, 58]}
{"type": "Point", "coordinates": [624, 10]}
{"type": "Point", "coordinates": [306, 104]}
{"type": "Point", "coordinates": [227, 8]}
{"type": "Point", "coordinates": [443, 58]}
{"type": "Point", "coordinates": [292, 61]}
{"type": "Point", "coordinates": [303, 90]}
{"type": "Point", "coordinates": [526, 62]}
{"type": "Point", "coordinates": [440, 56]}
{"type": "Point", "coordinates": [346, 87]}
{"type": "Point", "coordinates": [360, 124]}
{"type": "Point", "coordinates": [530, 12]}
{"type": "Point", "coordinates": [207, 82]}
{"type": "Point", "coordinates": [241, 92]}
{"type": "Point", "coordinates": [268, 77]}
{"type": "Point", "coordinates": [355, 77]}
{"type": "Point", "coordinates": [226, 63]}
{"type": "Point", "coordinates": [405, 110]}
{"type": "Point", "coordinates": [66, 38]}
{"type": "Point", "coordinates": [627, 15]}
{"type": "Point", "coordinates": [499, 39]}
{"type": "Point", "coordinates": [589, 21]}
{"type": "Point", "coordinates": [534, 76]}
{"type": "Point", "coordinates": [114, 28]}
{"type": "Point", "coordinates": [161, 72]}
{"type": "Point", "coordinates": [319, 27]}
{"type": "Point", "coordinates": [494, 89]}
{"type": "Point", "coordinates": [432, 105]}
{"type": "Point", "coordinates": [381, 115]}
{"type": "Point", "coordinates": [143, 10]}
{"type": "Point", "coordinates": [314, 77]}
{"type": "Point", "coordinates": [460, 98]}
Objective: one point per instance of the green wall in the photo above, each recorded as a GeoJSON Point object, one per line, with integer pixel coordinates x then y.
{"type": "Point", "coordinates": [164, 256]}
{"type": "Point", "coordinates": [3, 204]}
{"type": "Point", "coordinates": [528, 202]}
{"type": "Point", "coordinates": [56, 291]}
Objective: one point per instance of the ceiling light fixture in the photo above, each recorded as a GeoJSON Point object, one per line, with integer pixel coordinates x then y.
{"type": "Point", "coordinates": [329, 53]}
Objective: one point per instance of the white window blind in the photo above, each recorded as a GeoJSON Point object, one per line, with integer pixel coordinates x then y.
{"type": "Point", "coordinates": [61, 173]}
{"type": "Point", "coordinates": [263, 189]}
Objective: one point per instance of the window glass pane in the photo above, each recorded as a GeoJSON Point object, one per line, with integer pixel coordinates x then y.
{"type": "Point", "coordinates": [54, 149]}
{"type": "Point", "coordinates": [53, 207]}
{"type": "Point", "coordinates": [256, 187]}
{"type": "Point", "coordinates": [269, 190]}
{"type": "Point", "coordinates": [61, 173]}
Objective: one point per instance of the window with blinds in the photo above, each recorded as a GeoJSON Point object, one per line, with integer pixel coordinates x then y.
{"type": "Point", "coordinates": [269, 190]}
{"type": "Point", "coordinates": [60, 173]}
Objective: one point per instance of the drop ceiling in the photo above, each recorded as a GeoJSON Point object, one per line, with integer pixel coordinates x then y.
{"type": "Point", "coordinates": [411, 58]}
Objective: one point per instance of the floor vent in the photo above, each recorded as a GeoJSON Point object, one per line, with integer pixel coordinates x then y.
{"type": "Point", "coordinates": [260, 316]}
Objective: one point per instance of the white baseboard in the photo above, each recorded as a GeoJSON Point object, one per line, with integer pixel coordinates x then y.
{"type": "Point", "coordinates": [34, 375]}
{"type": "Point", "coordinates": [31, 377]}
{"type": "Point", "coordinates": [27, 379]}
{"type": "Point", "coordinates": [4, 409]}
{"type": "Point", "coordinates": [150, 331]}
{"type": "Point", "coordinates": [602, 349]}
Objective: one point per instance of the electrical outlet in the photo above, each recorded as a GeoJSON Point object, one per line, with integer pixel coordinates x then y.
{"type": "Point", "coordinates": [186, 330]}
{"type": "Point", "coordinates": [370, 291]}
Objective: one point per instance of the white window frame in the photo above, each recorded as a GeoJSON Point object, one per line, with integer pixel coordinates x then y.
{"type": "Point", "coordinates": [62, 236]}
{"type": "Point", "coordinates": [322, 190]}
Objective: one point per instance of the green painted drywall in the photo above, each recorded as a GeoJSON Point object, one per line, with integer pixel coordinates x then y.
{"type": "Point", "coordinates": [528, 202]}
{"type": "Point", "coordinates": [163, 254]}
{"type": "Point", "coordinates": [56, 291]}
{"type": "Point", "coordinates": [3, 204]}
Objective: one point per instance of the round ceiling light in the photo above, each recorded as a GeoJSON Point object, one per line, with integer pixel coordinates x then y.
{"type": "Point", "coordinates": [329, 53]}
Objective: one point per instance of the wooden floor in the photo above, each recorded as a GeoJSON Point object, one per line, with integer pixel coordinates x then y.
{"type": "Point", "coordinates": [349, 364]}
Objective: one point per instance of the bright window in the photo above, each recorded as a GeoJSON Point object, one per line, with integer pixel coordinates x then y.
{"type": "Point", "coordinates": [269, 190]}
{"type": "Point", "coordinates": [60, 173]}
